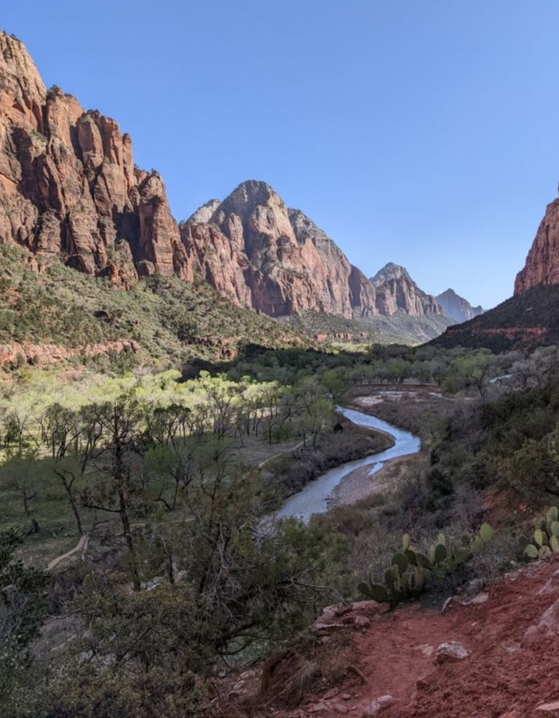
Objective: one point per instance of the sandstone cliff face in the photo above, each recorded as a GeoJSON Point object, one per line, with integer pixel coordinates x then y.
{"type": "Point", "coordinates": [397, 292]}
{"type": "Point", "coordinates": [542, 262]}
{"type": "Point", "coordinates": [255, 250]}
{"type": "Point", "coordinates": [456, 307]}
{"type": "Point", "coordinates": [44, 354]}
{"type": "Point", "coordinates": [69, 188]}
{"type": "Point", "coordinates": [68, 185]}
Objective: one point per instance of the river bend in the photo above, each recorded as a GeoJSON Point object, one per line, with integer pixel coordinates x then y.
{"type": "Point", "coordinates": [313, 498]}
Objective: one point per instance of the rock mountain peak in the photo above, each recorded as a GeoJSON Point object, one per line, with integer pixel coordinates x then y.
{"type": "Point", "coordinates": [456, 307]}
{"type": "Point", "coordinates": [390, 271]}
{"type": "Point", "coordinates": [542, 262]}
{"type": "Point", "coordinates": [263, 255]}
{"type": "Point", "coordinates": [269, 257]}
{"type": "Point", "coordinates": [69, 188]}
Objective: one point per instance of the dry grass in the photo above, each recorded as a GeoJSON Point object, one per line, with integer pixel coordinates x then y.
{"type": "Point", "coordinates": [414, 408]}
{"type": "Point", "coordinates": [254, 451]}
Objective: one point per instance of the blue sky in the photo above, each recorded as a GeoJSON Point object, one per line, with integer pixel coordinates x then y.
{"type": "Point", "coordinates": [419, 132]}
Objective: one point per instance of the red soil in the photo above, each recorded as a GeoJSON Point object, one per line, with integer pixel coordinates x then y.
{"type": "Point", "coordinates": [360, 660]}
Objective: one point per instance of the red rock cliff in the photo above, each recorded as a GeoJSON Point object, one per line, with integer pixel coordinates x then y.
{"type": "Point", "coordinates": [542, 262]}
{"type": "Point", "coordinates": [69, 188]}
{"type": "Point", "coordinates": [68, 185]}
{"type": "Point", "coordinates": [397, 292]}
{"type": "Point", "coordinates": [263, 255]}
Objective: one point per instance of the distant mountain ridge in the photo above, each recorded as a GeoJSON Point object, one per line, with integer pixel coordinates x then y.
{"type": "Point", "coordinates": [456, 307]}
{"type": "Point", "coordinates": [69, 189]}
{"type": "Point", "coordinates": [397, 292]}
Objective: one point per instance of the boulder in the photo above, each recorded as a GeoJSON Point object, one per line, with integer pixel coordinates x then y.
{"type": "Point", "coordinates": [451, 651]}
{"type": "Point", "coordinates": [377, 706]}
{"type": "Point", "coordinates": [546, 628]}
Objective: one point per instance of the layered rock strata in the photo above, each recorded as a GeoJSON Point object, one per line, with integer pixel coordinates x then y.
{"type": "Point", "coordinates": [542, 262]}
{"type": "Point", "coordinates": [262, 255]}
{"type": "Point", "coordinates": [397, 292]}
{"type": "Point", "coordinates": [68, 184]}
{"type": "Point", "coordinates": [69, 189]}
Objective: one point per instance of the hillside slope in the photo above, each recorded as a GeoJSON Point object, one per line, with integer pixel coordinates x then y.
{"type": "Point", "coordinates": [524, 321]}
{"type": "Point", "coordinates": [398, 328]}
{"type": "Point", "coordinates": [354, 656]}
{"type": "Point", "coordinates": [61, 315]}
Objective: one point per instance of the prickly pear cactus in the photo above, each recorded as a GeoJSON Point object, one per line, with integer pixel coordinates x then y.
{"type": "Point", "coordinates": [401, 561]}
{"type": "Point", "coordinates": [410, 569]}
{"type": "Point", "coordinates": [486, 533]}
{"type": "Point", "coordinates": [545, 539]}
{"type": "Point", "coordinates": [531, 551]}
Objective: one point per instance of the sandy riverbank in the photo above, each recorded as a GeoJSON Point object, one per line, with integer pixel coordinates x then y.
{"type": "Point", "coordinates": [359, 484]}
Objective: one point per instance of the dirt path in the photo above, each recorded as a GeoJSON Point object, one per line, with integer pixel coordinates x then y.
{"type": "Point", "coordinates": [281, 453]}
{"type": "Point", "coordinates": [363, 654]}
{"type": "Point", "coordinates": [80, 546]}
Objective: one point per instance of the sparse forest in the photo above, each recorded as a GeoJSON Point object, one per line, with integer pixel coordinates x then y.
{"type": "Point", "coordinates": [169, 476]}
{"type": "Point", "coordinates": [245, 472]}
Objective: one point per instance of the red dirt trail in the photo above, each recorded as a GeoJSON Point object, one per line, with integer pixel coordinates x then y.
{"type": "Point", "coordinates": [366, 654]}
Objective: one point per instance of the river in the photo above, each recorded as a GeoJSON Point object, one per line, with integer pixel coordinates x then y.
{"type": "Point", "coordinates": [313, 498]}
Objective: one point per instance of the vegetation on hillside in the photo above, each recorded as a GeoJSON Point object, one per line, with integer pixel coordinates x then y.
{"type": "Point", "coordinates": [523, 322]}
{"type": "Point", "coordinates": [170, 321]}
{"type": "Point", "coordinates": [398, 328]}
{"type": "Point", "coordinates": [185, 578]}
{"type": "Point", "coordinates": [171, 473]}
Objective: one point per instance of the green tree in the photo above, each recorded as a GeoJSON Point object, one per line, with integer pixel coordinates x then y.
{"type": "Point", "coordinates": [117, 483]}
{"type": "Point", "coordinates": [61, 432]}
{"type": "Point", "coordinates": [22, 610]}
{"type": "Point", "coordinates": [532, 473]}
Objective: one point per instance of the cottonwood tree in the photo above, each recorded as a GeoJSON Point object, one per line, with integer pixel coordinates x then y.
{"type": "Point", "coordinates": [317, 410]}
{"type": "Point", "coordinates": [63, 431]}
{"type": "Point", "coordinates": [163, 462]}
{"type": "Point", "coordinates": [117, 483]}
{"type": "Point", "coordinates": [278, 405]}
{"type": "Point", "coordinates": [15, 433]}
{"type": "Point", "coordinates": [335, 382]}
{"type": "Point", "coordinates": [168, 425]}
{"type": "Point", "coordinates": [474, 370]}
{"type": "Point", "coordinates": [20, 472]}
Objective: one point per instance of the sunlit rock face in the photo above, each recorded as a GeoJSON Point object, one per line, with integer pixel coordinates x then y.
{"type": "Point", "coordinates": [69, 189]}
{"type": "Point", "coordinates": [397, 292]}
{"type": "Point", "coordinates": [68, 184]}
{"type": "Point", "coordinates": [265, 256]}
{"type": "Point", "coordinates": [542, 262]}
